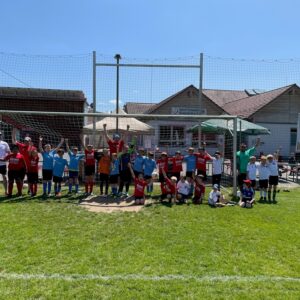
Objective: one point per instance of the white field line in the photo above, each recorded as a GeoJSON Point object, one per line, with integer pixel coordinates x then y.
{"type": "Point", "coordinates": [140, 277]}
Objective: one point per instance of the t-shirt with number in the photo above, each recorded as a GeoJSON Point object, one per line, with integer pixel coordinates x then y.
{"type": "Point", "coordinates": [162, 164]}
{"type": "Point", "coordinates": [115, 146]}
{"type": "Point", "coordinates": [33, 166]}
{"type": "Point", "coordinates": [247, 193]}
{"type": "Point", "coordinates": [177, 164]}
{"type": "Point", "coordinates": [25, 150]}
{"type": "Point", "coordinates": [139, 187]}
{"type": "Point", "coordinates": [89, 157]}
{"type": "Point", "coordinates": [199, 190]}
{"type": "Point", "coordinates": [16, 162]}
{"type": "Point", "coordinates": [201, 160]}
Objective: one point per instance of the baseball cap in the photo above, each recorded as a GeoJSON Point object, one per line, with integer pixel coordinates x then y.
{"type": "Point", "coordinates": [116, 136]}
{"type": "Point", "coordinates": [27, 139]}
{"type": "Point", "coordinates": [178, 152]}
{"type": "Point", "coordinates": [247, 181]}
{"type": "Point", "coordinates": [164, 153]}
{"type": "Point", "coordinates": [270, 156]}
{"type": "Point", "coordinates": [217, 152]}
{"type": "Point", "coordinates": [215, 186]}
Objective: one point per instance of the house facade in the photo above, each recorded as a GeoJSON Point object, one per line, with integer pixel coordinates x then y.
{"type": "Point", "coordinates": [276, 110]}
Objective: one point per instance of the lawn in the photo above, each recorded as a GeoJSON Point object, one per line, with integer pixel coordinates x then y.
{"type": "Point", "coordinates": [57, 250]}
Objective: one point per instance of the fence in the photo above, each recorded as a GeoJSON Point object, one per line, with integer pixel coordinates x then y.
{"type": "Point", "coordinates": [169, 95]}
{"type": "Point", "coordinates": [188, 125]}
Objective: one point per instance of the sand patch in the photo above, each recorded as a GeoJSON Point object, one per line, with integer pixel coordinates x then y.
{"type": "Point", "coordinates": [102, 204]}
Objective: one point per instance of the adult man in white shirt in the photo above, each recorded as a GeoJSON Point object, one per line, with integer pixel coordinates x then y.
{"type": "Point", "coordinates": [4, 150]}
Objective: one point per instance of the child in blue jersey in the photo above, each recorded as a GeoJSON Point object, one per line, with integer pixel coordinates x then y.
{"type": "Point", "coordinates": [114, 174]}
{"type": "Point", "coordinates": [74, 167]}
{"type": "Point", "coordinates": [58, 171]}
{"type": "Point", "coordinates": [190, 161]}
{"type": "Point", "coordinates": [139, 161]}
{"type": "Point", "coordinates": [48, 156]}
{"type": "Point", "coordinates": [247, 195]}
{"type": "Point", "coordinates": [149, 167]}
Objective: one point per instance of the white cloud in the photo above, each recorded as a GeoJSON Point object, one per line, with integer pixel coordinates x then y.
{"type": "Point", "coordinates": [113, 101]}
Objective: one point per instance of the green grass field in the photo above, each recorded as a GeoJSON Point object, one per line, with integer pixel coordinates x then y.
{"type": "Point", "coordinates": [58, 250]}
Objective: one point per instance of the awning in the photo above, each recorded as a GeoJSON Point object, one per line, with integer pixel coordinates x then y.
{"type": "Point", "coordinates": [223, 125]}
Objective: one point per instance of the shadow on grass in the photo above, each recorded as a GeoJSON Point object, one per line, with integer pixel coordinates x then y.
{"type": "Point", "coordinates": [41, 199]}
{"type": "Point", "coordinates": [268, 202]}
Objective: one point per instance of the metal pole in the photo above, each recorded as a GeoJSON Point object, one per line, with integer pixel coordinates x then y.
{"type": "Point", "coordinates": [94, 95]}
{"type": "Point", "coordinates": [117, 57]}
{"type": "Point", "coordinates": [234, 147]}
{"type": "Point", "coordinates": [240, 133]}
{"type": "Point", "coordinates": [200, 97]}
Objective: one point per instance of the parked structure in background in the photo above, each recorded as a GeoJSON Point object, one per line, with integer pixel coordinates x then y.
{"type": "Point", "coordinates": [30, 99]}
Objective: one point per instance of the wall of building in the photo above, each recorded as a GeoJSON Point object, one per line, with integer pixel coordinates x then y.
{"type": "Point", "coordinates": [189, 98]}
{"type": "Point", "coordinates": [284, 109]}
{"type": "Point", "coordinates": [280, 137]}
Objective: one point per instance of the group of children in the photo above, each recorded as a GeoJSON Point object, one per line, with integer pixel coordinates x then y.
{"type": "Point", "coordinates": [268, 174]}
{"type": "Point", "coordinates": [119, 165]}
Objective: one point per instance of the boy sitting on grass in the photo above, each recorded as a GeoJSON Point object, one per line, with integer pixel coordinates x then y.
{"type": "Point", "coordinates": [199, 190]}
{"type": "Point", "coordinates": [183, 190]}
{"type": "Point", "coordinates": [169, 188]}
{"type": "Point", "coordinates": [216, 198]}
{"type": "Point", "coordinates": [247, 195]}
{"type": "Point", "coordinates": [139, 186]}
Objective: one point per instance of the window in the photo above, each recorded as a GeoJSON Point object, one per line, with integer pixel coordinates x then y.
{"type": "Point", "coordinates": [172, 136]}
{"type": "Point", "coordinates": [293, 138]}
{"type": "Point", "coordinates": [209, 138]}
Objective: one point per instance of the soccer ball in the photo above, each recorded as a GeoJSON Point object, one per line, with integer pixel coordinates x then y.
{"type": "Point", "coordinates": [248, 204]}
{"type": "Point", "coordinates": [155, 176]}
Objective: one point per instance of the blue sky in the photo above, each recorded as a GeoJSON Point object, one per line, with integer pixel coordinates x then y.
{"type": "Point", "coordinates": [156, 28]}
{"type": "Point", "coordinates": [256, 29]}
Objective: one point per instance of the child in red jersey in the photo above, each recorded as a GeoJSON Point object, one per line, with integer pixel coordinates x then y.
{"type": "Point", "coordinates": [202, 157]}
{"type": "Point", "coordinates": [32, 172]}
{"type": "Point", "coordinates": [162, 164]}
{"type": "Point", "coordinates": [16, 168]}
{"type": "Point", "coordinates": [168, 188]}
{"type": "Point", "coordinates": [89, 168]}
{"type": "Point", "coordinates": [139, 187]}
{"type": "Point", "coordinates": [177, 164]}
{"type": "Point", "coordinates": [24, 149]}
{"type": "Point", "coordinates": [115, 144]}
{"type": "Point", "coordinates": [199, 190]}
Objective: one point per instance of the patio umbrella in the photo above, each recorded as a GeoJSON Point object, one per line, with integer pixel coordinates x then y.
{"type": "Point", "coordinates": [135, 125]}
{"type": "Point", "coordinates": [223, 125]}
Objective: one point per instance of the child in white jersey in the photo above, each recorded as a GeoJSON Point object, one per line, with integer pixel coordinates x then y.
{"type": "Point", "coordinates": [183, 189]}
{"type": "Point", "coordinates": [273, 179]}
{"type": "Point", "coordinates": [217, 167]}
{"type": "Point", "coordinates": [263, 173]}
{"type": "Point", "coordinates": [252, 170]}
